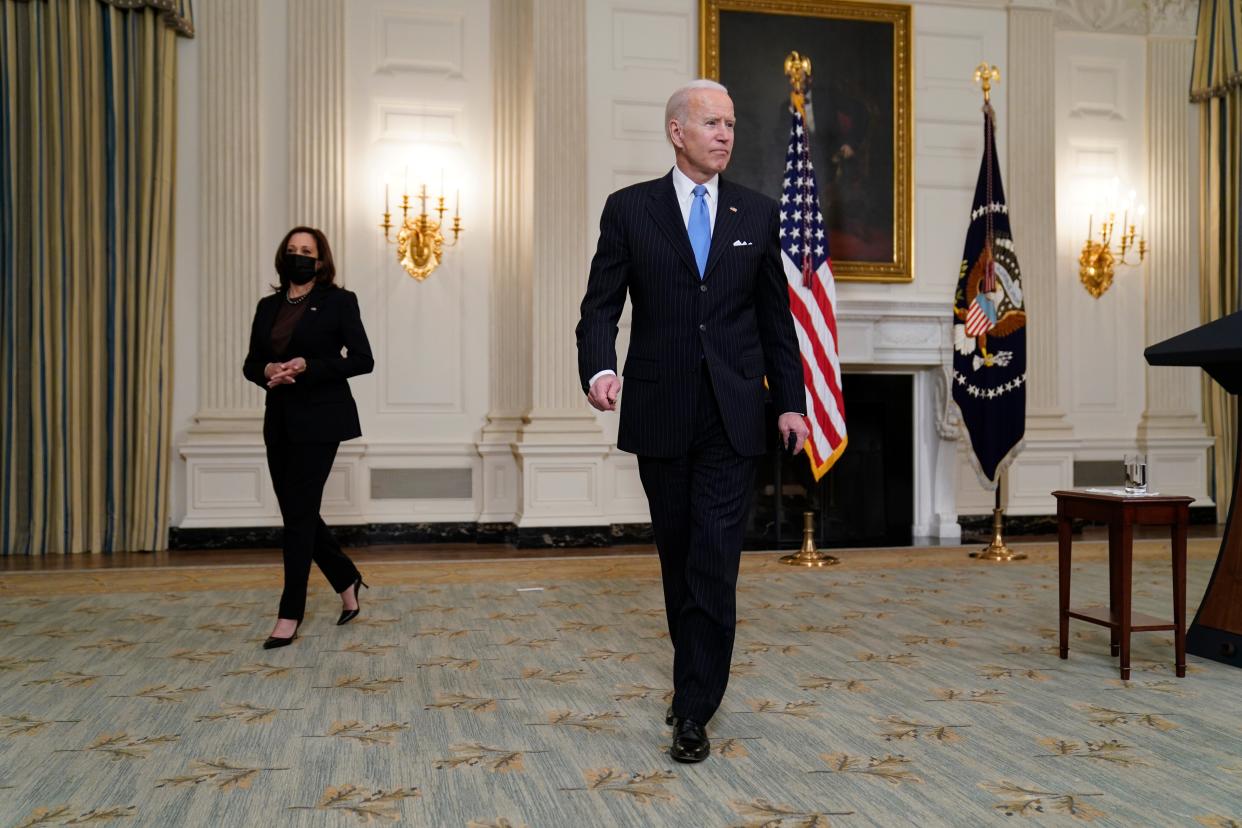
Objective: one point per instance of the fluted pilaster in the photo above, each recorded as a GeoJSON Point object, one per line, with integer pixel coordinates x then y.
{"type": "Point", "coordinates": [560, 450]}
{"type": "Point", "coordinates": [559, 248]}
{"type": "Point", "coordinates": [513, 122]}
{"type": "Point", "coordinates": [228, 32]}
{"type": "Point", "coordinates": [1171, 270]}
{"type": "Point", "coordinates": [1031, 189]}
{"type": "Point", "coordinates": [510, 365]}
{"type": "Point", "coordinates": [1172, 264]}
{"type": "Point", "coordinates": [316, 67]}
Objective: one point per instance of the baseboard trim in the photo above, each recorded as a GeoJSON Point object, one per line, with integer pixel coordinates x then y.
{"type": "Point", "coordinates": [547, 537]}
{"type": "Point", "coordinates": [392, 534]}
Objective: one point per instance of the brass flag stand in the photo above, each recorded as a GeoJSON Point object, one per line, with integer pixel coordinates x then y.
{"type": "Point", "coordinates": [997, 550]}
{"type": "Point", "coordinates": [808, 555]}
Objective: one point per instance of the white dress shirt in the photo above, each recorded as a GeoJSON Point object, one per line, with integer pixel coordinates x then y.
{"type": "Point", "coordinates": [684, 188]}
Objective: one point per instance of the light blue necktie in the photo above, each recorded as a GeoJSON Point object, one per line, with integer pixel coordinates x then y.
{"type": "Point", "coordinates": [700, 228]}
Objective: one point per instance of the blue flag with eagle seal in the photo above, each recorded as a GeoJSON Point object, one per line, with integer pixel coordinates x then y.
{"type": "Point", "coordinates": [989, 326]}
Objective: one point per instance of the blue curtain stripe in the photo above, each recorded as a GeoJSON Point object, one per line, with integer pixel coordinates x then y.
{"type": "Point", "coordinates": [87, 128]}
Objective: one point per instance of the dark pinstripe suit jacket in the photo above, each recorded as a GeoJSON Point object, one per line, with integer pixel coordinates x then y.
{"type": "Point", "coordinates": [736, 317]}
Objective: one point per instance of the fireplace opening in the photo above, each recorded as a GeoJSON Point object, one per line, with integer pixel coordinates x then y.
{"type": "Point", "coordinates": [867, 497]}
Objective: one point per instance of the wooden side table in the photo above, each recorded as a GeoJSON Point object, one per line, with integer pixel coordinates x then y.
{"type": "Point", "coordinates": [1122, 513]}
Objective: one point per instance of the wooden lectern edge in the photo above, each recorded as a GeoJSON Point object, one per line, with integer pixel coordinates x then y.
{"type": "Point", "coordinates": [1216, 631]}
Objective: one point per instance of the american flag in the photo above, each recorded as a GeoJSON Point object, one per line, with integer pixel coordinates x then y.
{"type": "Point", "coordinates": [980, 316]}
{"type": "Point", "coordinates": [813, 300]}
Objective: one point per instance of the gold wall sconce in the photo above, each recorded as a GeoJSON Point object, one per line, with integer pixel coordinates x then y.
{"type": "Point", "coordinates": [1098, 263]}
{"type": "Point", "coordinates": [420, 238]}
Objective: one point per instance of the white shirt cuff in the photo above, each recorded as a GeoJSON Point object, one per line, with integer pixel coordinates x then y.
{"type": "Point", "coordinates": [591, 384]}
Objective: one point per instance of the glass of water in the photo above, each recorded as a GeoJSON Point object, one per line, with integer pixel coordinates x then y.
{"type": "Point", "coordinates": [1136, 473]}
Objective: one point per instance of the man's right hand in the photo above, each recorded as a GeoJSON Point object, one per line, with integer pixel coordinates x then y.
{"type": "Point", "coordinates": [604, 391]}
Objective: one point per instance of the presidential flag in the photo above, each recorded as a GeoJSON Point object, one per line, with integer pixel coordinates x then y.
{"type": "Point", "coordinates": [989, 326]}
{"type": "Point", "coordinates": [812, 299]}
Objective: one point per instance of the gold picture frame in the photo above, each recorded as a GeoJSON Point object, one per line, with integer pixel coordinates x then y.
{"type": "Point", "coordinates": [872, 237]}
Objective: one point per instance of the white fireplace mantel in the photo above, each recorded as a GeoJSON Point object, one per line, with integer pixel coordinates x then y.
{"type": "Point", "coordinates": [880, 334]}
{"type": "Point", "coordinates": [913, 337]}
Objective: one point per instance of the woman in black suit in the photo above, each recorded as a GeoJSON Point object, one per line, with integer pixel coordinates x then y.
{"type": "Point", "coordinates": [295, 354]}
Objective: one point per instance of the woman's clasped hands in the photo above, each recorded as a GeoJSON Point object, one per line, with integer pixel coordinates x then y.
{"type": "Point", "coordinates": [284, 373]}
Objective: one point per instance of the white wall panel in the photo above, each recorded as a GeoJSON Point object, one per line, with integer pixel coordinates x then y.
{"type": "Point", "coordinates": [399, 121]}
{"type": "Point", "coordinates": [428, 40]}
{"type": "Point", "coordinates": [651, 39]}
{"type": "Point", "coordinates": [1100, 136]}
{"type": "Point", "coordinates": [1095, 88]}
{"type": "Point", "coordinates": [418, 93]}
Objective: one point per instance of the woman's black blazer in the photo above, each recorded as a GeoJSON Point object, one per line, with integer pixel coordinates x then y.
{"type": "Point", "coordinates": [318, 408]}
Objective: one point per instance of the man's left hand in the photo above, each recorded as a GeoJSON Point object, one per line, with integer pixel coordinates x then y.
{"type": "Point", "coordinates": [793, 423]}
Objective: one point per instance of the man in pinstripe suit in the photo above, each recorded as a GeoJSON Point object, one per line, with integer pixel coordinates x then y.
{"type": "Point", "coordinates": [700, 260]}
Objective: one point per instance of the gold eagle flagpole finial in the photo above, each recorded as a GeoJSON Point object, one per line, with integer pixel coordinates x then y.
{"type": "Point", "coordinates": [798, 70]}
{"type": "Point", "coordinates": [986, 75]}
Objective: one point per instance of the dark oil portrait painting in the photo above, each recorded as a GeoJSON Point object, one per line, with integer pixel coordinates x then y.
{"type": "Point", "coordinates": [860, 110]}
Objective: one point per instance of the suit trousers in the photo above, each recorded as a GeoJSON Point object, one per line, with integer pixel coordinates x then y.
{"type": "Point", "coordinates": [299, 472]}
{"type": "Point", "coordinates": [699, 503]}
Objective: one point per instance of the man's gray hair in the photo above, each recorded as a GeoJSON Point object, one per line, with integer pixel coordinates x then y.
{"type": "Point", "coordinates": [678, 106]}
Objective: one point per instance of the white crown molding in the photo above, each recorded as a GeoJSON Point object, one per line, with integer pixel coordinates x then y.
{"type": "Point", "coordinates": [1162, 18]}
{"type": "Point", "coordinates": [1172, 18]}
{"type": "Point", "coordinates": [1113, 16]}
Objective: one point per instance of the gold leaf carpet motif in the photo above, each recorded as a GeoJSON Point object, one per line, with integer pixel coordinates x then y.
{"type": "Point", "coordinates": [902, 687]}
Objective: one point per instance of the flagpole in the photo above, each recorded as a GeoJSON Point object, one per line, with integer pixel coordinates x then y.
{"type": "Point", "coordinates": [997, 550]}
{"type": "Point", "coordinates": [986, 75]}
{"type": "Point", "coordinates": [779, 477]}
{"type": "Point", "coordinates": [798, 71]}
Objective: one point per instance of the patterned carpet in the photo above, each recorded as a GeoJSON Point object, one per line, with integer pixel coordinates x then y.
{"type": "Point", "coordinates": [887, 691]}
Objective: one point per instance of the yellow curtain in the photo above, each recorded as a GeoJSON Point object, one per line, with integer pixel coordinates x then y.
{"type": "Point", "coordinates": [87, 132]}
{"type": "Point", "coordinates": [1216, 86]}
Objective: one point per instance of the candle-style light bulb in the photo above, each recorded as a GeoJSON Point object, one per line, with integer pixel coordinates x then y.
{"type": "Point", "coordinates": [457, 206]}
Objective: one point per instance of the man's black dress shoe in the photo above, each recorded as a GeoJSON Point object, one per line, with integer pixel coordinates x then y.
{"type": "Point", "coordinates": [689, 742]}
{"type": "Point", "coordinates": [669, 718]}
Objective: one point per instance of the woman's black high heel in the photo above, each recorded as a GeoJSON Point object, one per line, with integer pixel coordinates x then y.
{"type": "Point", "coordinates": [350, 615]}
{"type": "Point", "coordinates": [275, 641]}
